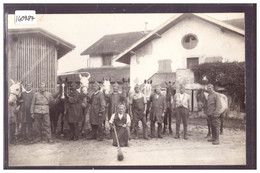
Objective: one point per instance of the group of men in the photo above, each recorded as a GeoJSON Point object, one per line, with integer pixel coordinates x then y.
{"type": "Point", "coordinates": [124, 113]}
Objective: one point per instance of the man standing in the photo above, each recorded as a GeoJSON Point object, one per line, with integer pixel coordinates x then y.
{"type": "Point", "coordinates": [121, 121]}
{"type": "Point", "coordinates": [181, 104]}
{"type": "Point", "coordinates": [97, 112]}
{"type": "Point", "coordinates": [40, 112]}
{"type": "Point", "coordinates": [74, 112]}
{"type": "Point", "coordinates": [213, 108]}
{"type": "Point", "coordinates": [147, 93]}
{"type": "Point", "coordinates": [114, 99]}
{"type": "Point", "coordinates": [138, 110]}
{"type": "Point", "coordinates": [158, 108]}
{"type": "Point", "coordinates": [27, 120]}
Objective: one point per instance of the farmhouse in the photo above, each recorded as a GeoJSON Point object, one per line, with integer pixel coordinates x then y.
{"type": "Point", "coordinates": [101, 62]}
{"type": "Point", "coordinates": [181, 42]}
{"type": "Point", "coordinates": [33, 54]}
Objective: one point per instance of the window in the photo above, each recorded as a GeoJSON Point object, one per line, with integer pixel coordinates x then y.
{"type": "Point", "coordinates": [189, 41]}
{"type": "Point", "coordinates": [107, 60]}
{"type": "Point", "coordinates": [192, 62]}
{"type": "Point", "coordinates": [213, 59]}
{"type": "Point", "coordinates": [165, 66]}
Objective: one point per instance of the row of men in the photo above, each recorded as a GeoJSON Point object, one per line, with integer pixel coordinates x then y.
{"type": "Point", "coordinates": [126, 124]}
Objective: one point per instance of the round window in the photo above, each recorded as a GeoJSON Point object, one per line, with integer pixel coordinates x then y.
{"type": "Point", "coordinates": [189, 41]}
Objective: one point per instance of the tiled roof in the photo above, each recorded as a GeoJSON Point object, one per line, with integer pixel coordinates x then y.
{"type": "Point", "coordinates": [239, 23]}
{"type": "Point", "coordinates": [97, 74]}
{"type": "Point", "coordinates": [114, 44]}
{"type": "Point", "coordinates": [63, 47]}
{"type": "Point", "coordinates": [161, 78]}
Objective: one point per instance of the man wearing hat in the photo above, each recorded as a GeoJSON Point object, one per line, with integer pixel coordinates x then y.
{"type": "Point", "coordinates": [114, 99]}
{"type": "Point", "coordinates": [138, 110]}
{"type": "Point", "coordinates": [97, 112]}
{"type": "Point", "coordinates": [26, 119]}
{"type": "Point", "coordinates": [74, 112]}
{"type": "Point", "coordinates": [181, 105]}
{"type": "Point", "coordinates": [213, 109]}
{"type": "Point", "coordinates": [40, 113]}
{"type": "Point", "coordinates": [157, 111]}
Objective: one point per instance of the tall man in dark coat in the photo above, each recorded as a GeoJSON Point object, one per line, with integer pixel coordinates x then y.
{"type": "Point", "coordinates": [40, 112]}
{"type": "Point", "coordinates": [157, 112]}
{"type": "Point", "coordinates": [114, 99]}
{"type": "Point", "coordinates": [74, 112]}
{"type": "Point", "coordinates": [26, 126]}
{"type": "Point", "coordinates": [97, 112]}
{"type": "Point", "coordinates": [213, 108]}
{"type": "Point", "coordinates": [137, 110]}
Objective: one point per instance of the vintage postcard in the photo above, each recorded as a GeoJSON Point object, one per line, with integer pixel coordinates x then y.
{"type": "Point", "coordinates": [131, 86]}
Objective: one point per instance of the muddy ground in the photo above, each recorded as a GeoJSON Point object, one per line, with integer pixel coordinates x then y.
{"type": "Point", "coordinates": [167, 151]}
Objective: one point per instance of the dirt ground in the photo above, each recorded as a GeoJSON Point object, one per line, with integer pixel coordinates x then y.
{"type": "Point", "coordinates": [167, 151]}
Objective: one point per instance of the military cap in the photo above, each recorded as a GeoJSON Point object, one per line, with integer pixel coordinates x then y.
{"type": "Point", "coordinates": [74, 85]}
{"type": "Point", "coordinates": [137, 86]}
{"type": "Point", "coordinates": [115, 85]}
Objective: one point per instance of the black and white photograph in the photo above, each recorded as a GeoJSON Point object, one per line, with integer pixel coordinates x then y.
{"type": "Point", "coordinates": [124, 89]}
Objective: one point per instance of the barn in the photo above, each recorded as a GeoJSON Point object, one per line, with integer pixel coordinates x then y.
{"type": "Point", "coordinates": [33, 54]}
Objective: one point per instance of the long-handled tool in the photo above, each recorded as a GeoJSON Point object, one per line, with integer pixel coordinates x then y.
{"type": "Point", "coordinates": [120, 155]}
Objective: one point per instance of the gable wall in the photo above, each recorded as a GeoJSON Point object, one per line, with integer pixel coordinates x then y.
{"type": "Point", "coordinates": [212, 42]}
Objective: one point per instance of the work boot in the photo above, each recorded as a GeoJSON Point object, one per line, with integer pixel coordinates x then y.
{"type": "Point", "coordinates": [211, 140]}
{"type": "Point", "coordinates": [177, 135]}
{"type": "Point", "coordinates": [145, 134]}
{"type": "Point", "coordinates": [216, 142]}
{"type": "Point", "coordinates": [216, 135]}
{"type": "Point", "coordinates": [159, 135]}
{"type": "Point", "coordinates": [164, 129]}
{"type": "Point", "coordinates": [152, 131]}
{"type": "Point", "coordinates": [170, 129]}
{"type": "Point", "coordinates": [185, 132]}
{"type": "Point", "coordinates": [160, 131]}
{"type": "Point", "coordinates": [152, 134]}
{"type": "Point", "coordinates": [50, 141]}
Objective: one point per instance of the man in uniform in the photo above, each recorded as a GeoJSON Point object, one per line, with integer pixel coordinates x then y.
{"type": "Point", "coordinates": [213, 108]}
{"type": "Point", "coordinates": [137, 110]}
{"type": "Point", "coordinates": [97, 112]}
{"type": "Point", "coordinates": [181, 105]}
{"type": "Point", "coordinates": [27, 120]}
{"type": "Point", "coordinates": [40, 112]}
{"type": "Point", "coordinates": [158, 109]}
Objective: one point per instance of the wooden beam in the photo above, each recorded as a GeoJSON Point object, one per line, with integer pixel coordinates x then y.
{"type": "Point", "coordinates": [132, 52]}
{"type": "Point", "coordinates": [158, 35]}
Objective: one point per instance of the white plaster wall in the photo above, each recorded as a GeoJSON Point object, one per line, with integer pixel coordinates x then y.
{"type": "Point", "coordinates": [212, 42]}
{"type": "Point", "coordinates": [96, 61]}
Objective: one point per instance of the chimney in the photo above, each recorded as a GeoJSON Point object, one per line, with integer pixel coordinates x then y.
{"type": "Point", "coordinates": [145, 27]}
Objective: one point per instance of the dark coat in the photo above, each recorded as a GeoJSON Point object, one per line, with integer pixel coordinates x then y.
{"type": "Point", "coordinates": [158, 107]}
{"type": "Point", "coordinates": [74, 112]}
{"type": "Point", "coordinates": [97, 108]}
{"type": "Point", "coordinates": [26, 107]}
{"type": "Point", "coordinates": [113, 101]}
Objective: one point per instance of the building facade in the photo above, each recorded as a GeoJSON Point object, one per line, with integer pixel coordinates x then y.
{"type": "Point", "coordinates": [32, 55]}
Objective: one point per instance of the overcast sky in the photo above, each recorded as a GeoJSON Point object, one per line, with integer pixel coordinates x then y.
{"type": "Point", "coordinates": [83, 30]}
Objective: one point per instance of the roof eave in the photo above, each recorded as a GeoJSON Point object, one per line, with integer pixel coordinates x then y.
{"type": "Point", "coordinates": [66, 46]}
{"type": "Point", "coordinates": [171, 22]}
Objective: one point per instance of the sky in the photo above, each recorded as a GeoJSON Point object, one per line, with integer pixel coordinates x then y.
{"type": "Point", "coordinates": [83, 30]}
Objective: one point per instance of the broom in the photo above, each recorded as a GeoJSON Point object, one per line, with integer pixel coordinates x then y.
{"type": "Point", "coordinates": [120, 155]}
